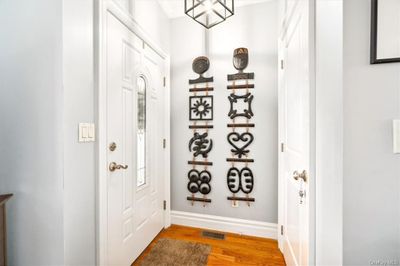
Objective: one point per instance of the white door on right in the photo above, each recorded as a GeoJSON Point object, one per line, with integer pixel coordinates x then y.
{"type": "Point", "coordinates": [295, 87]}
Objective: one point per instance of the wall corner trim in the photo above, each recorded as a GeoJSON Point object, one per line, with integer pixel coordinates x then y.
{"type": "Point", "coordinates": [225, 224]}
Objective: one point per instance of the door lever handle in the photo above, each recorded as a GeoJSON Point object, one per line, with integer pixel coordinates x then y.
{"type": "Point", "coordinates": [303, 175]}
{"type": "Point", "coordinates": [114, 166]}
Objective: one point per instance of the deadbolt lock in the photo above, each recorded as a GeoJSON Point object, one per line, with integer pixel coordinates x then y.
{"type": "Point", "coordinates": [113, 146]}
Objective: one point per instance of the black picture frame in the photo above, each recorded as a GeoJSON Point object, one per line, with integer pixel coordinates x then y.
{"type": "Point", "coordinates": [374, 38]}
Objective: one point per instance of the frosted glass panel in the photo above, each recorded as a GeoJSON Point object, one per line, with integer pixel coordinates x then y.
{"type": "Point", "coordinates": [141, 131]}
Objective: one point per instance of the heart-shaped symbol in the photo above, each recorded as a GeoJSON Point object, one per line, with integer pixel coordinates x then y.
{"type": "Point", "coordinates": [235, 139]}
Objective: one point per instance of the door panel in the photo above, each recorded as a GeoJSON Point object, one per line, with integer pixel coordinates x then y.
{"type": "Point", "coordinates": [295, 133]}
{"type": "Point", "coordinates": [134, 97]}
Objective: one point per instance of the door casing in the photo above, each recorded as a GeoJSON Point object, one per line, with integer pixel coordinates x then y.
{"type": "Point", "coordinates": [100, 31]}
{"type": "Point", "coordinates": [325, 227]}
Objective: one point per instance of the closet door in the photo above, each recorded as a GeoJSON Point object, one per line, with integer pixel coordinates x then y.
{"type": "Point", "coordinates": [295, 87]}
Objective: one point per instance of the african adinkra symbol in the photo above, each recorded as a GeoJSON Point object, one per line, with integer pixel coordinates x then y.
{"type": "Point", "coordinates": [199, 181]}
{"type": "Point", "coordinates": [200, 144]}
{"type": "Point", "coordinates": [240, 62]}
{"type": "Point", "coordinates": [240, 180]}
{"type": "Point", "coordinates": [240, 59]}
{"type": "Point", "coordinates": [236, 100]}
{"type": "Point", "coordinates": [200, 65]}
{"type": "Point", "coordinates": [240, 142]}
{"type": "Point", "coordinates": [201, 108]}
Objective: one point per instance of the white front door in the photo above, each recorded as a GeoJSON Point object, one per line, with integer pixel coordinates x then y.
{"type": "Point", "coordinates": [295, 88]}
{"type": "Point", "coordinates": [135, 131]}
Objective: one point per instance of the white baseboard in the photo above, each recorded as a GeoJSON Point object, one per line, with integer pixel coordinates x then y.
{"type": "Point", "coordinates": [225, 224]}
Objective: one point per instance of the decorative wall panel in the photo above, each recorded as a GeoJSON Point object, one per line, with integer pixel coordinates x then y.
{"type": "Point", "coordinates": [240, 178]}
{"type": "Point", "coordinates": [201, 115]}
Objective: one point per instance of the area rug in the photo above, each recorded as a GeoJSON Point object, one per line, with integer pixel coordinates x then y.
{"type": "Point", "coordinates": [171, 252]}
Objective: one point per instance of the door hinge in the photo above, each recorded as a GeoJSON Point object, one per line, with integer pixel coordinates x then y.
{"type": "Point", "coordinates": [282, 230]}
{"type": "Point", "coordinates": [165, 82]}
{"type": "Point", "coordinates": [282, 64]}
{"type": "Point", "coordinates": [282, 147]}
{"type": "Point", "coordinates": [165, 205]}
{"type": "Point", "coordinates": [164, 143]}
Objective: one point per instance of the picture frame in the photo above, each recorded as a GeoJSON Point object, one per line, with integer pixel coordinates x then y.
{"type": "Point", "coordinates": [385, 40]}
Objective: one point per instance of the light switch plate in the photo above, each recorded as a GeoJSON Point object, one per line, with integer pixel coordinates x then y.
{"type": "Point", "coordinates": [396, 136]}
{"type": "Point", "coordinates": [86, 132]}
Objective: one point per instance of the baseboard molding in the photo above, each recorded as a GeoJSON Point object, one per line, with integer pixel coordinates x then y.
{"type": "Point", "coordinates": [225, 224]}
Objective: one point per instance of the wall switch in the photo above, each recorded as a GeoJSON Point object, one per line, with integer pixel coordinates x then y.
{"type": "Point", "coordinates": [86, 132]}
{"type": "Point", "coordinates": [396, 136]}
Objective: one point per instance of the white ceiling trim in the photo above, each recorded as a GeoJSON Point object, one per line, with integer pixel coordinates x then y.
{"type": "Point", "coordinates": [175, 8]}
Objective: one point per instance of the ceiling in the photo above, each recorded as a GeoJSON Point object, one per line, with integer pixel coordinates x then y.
{"type": "Point", "coordinates": [175, 8]}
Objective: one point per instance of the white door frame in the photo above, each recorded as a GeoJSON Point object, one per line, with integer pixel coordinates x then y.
{"type": "Point", "coordinates": [326, 136]}
{"type": "Point", "coordinates": [101, 9]}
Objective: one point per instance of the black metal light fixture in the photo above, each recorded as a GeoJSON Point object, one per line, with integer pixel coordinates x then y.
{"type": "Point", "coordinates": [209, 12]}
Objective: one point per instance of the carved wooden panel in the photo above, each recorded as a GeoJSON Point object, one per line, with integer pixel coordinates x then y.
{"type": "Point", "coordinates": [240, 177]}
{"type": "Point", "coordinates": [201, 114]}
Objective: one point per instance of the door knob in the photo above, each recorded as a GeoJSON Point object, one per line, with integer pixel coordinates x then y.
{"type": "Point", "coordinates": [114, 166]}
{"type": "Point", "coordinates": [303, 175]}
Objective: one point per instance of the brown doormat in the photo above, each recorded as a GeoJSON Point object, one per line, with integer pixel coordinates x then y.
{"type": "Point", "coordinates": [171, 252]}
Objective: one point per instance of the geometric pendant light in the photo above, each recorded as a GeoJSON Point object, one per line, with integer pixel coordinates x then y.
{"type": "Point", "coordinates": [209, 12]}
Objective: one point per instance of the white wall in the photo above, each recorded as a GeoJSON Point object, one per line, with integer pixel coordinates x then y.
{"type": "Point", "coordinates": [154, 21]}
{"type": "Point", "coordinates": [371, 170]}
{"type": "Point", "coordinates": [254, 27]}
{"type": "Point", "coordinates": [31, 163]}
{"type": "Point", "coordinates": [151, 17]}
{"type": "Point", "coordinates": [45, 45]}
{"type": "Point", "coordinates": [79, 158]}
{"type": "Point", "coordinates": [329, 132]}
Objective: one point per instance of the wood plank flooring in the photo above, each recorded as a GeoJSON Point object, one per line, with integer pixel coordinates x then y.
{"type": "Point", "coordinates": [234, 250]}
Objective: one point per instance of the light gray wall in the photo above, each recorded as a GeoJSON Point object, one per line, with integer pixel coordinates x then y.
{"type": "Point", "coordinates": [31, 163]}
{"type": "Point", "coordinates": [45, 45]}
{"type": "Point", "coordinates": [254, 27]}
{"type": "Point", "coordinates": [371, 170]}
{"type": "Point", "coordinates": [79, 158]}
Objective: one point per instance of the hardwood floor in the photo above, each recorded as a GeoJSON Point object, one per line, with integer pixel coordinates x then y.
{"type": "Point", "coordinates": [234, 250]}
